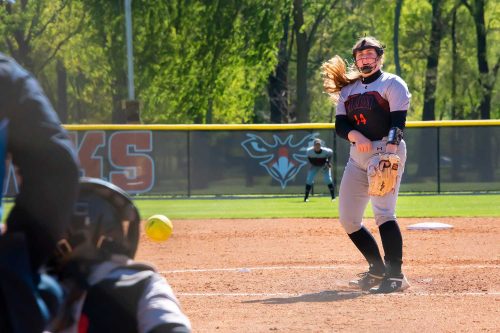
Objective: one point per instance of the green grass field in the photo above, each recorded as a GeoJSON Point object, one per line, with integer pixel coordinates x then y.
{"type": "Point", "coordinates": [317, 207]}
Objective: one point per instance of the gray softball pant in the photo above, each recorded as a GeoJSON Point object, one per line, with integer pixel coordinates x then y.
{"type": "Point", "coordinates": [353, 193]}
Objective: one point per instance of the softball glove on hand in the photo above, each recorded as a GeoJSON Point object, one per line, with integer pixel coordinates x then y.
{"type": "Point", "coordinates": [382, 173]}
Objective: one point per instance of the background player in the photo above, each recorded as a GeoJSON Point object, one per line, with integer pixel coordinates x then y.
{"type": "Point", "coordinates": [319, 160]}
{"type": "Point", "coordinates": [30, 132]}
{"type": "Point", "coordinates": [107, 290]}
{"type": "Point", "coordinates": [371, 115]}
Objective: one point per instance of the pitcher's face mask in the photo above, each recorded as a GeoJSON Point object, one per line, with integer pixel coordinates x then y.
{"type": "Point", "coordinates": [366, 60]}
{"type": "Point", "coordinates": [366, 55]}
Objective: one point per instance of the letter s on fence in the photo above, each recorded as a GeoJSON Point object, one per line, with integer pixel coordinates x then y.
{"type": "Point", "coordinates": [128, 154]}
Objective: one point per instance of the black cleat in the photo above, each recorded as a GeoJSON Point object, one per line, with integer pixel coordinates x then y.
{"type": "Point", "coordinates": [366, 281]}
{"type": "Point", "coordinates": [391, 284]}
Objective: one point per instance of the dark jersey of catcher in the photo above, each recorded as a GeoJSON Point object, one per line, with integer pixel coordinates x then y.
{"type": "Point", "coordinates": [44, 157]}
{"type": "Point", "coordinates": [373, 106]}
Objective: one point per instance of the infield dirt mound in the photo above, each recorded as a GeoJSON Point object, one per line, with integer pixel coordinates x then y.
{"type": "Point", "coordinates": [290, 275]}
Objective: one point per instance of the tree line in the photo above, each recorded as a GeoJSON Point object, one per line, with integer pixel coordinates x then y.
{"type": "Point", "coordinates": [250, 61]}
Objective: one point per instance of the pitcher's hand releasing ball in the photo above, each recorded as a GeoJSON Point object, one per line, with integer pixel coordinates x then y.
{"type": "Point", "coordinates": [159, 228]}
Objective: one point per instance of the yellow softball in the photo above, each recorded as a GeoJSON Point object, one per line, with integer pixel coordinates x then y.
{"type": "Point", "coordinates": [158, 228]}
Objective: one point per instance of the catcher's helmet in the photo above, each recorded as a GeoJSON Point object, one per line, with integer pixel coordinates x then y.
{"type": "Point", "coordinates": [105, 219]}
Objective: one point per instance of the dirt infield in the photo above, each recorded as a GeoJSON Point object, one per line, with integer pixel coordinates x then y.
{"type": "Point", "coordinates": [290, 275]}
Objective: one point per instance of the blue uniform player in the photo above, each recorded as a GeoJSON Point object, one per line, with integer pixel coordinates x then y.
{"type": "Point", "coordinates": [31, 134]}
{"type": "Point", "coordinates": [320, 158]}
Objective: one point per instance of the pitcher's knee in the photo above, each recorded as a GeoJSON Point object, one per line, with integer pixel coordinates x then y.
{"type": "Point", "coordinates": [350, 226]}
{"type": "Point", "coordinates": [379, 220]}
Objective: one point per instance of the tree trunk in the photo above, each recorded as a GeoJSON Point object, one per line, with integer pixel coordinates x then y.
{"type": "Point", "coordinates": [302, 109]}
{"type": "Point", "coordinates": [456, 163]}
{"type": "Point", "coordinates": [397, 16]}
{"type": "Point", "coordinates": [278, 81]}
{"type": "Point", "coordinates": [485, 138]}
{"type": "Point", "coordinates": [117, 114]}
{"type": "Point", "coordinates": [482, 61]}
{"type": "Point", "coordinates": [119, 95]}
{"type": "Point", "coordinates": [484, 152]}
{"type": "Point", "coordinates": [426, 141]}
{"type": "Point", "coordinates": [432, 62]}
{"type": "Point", "coordinates": [454, 66]}
{"type": "Point", "coordinates": [78, 109]}
{"type": "Point", "coordinates": [62, 92]}
{"type": "Point", "coordinates": [210, 110]}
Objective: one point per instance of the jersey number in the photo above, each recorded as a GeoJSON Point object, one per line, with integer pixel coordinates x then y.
{"type": "Point", "coordinates": [360, 119]}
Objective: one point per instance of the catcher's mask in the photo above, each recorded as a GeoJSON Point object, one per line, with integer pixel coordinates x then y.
{"type": "Point", "coordinates": [104, 222]}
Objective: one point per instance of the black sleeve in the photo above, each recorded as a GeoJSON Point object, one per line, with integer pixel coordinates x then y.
{"type": "Point", "coordinates": [342, 126]}
{"type": "Point", "coordinates": [46, 161]}
{"type": "Point", "coordinates": [398, 119]}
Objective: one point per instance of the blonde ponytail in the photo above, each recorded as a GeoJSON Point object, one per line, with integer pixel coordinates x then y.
{"type": "Point", "coordinates": [336, 76]}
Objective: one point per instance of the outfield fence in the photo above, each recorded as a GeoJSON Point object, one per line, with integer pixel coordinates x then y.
{"type": "Point", "coordinates": [232, 160]}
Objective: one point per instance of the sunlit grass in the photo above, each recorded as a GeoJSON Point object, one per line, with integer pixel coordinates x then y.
{"type": "Point", "coordinates": [317, 207]}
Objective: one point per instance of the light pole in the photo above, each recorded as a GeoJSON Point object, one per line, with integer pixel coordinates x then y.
{"type": "Point", "coordinates": [130, 106]}
{"type": "Point", "coordinates": [130, 51]}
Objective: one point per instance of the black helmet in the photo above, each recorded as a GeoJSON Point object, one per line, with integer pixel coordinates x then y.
{"type": "Point", "coordinates": [368, 43]}
{"type": "Point", "coordinates": [104, 221]}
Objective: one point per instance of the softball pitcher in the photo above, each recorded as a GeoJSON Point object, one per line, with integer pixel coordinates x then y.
{"type": "Point", "coordinates": [371, 114]}
{"type": "Point", "coordinates": [319, 161]}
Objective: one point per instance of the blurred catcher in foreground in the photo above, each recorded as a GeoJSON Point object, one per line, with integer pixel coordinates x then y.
{"type": "Point", "coordinates": [107, 291]}
{"type": "Point", "coordinates": [47, 163]}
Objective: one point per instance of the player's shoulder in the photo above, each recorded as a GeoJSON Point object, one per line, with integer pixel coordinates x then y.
{"type": "Point", "coordinates": [11, 74]}
{"type": "Point", "coordinates": [328, 150]}
{"type": "Point", "coordinates": [118, 267]}
{"type": "Point", "coordinates": [10, 69]}
{"type": "Point", "coordinates": [346, 90]}
{"type": "Point", "coordinates": [310, 152]}
{"type": "Point", "coordinates": [392, 79]}
{"type": "Point", "coordinates": [7, 70]}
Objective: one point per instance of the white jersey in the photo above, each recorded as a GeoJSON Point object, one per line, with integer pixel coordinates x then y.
{"type": "Point", "coordinates": [368, 105]}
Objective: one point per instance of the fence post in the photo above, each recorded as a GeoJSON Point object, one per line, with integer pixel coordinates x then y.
{"type": "Point", "coordinates": [438, 150]}
{"type": "Point", "coordinates": [188, 163]}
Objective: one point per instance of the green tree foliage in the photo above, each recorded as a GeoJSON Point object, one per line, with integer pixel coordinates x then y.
{"type": "Point", "coordinates": [205, 61]}
{"type": "Point", "coordinates": [35, 32]}
{"type": "Point", "coordinates": [201, 61]}
{"type": "Point", "coordinates": [414, 38]}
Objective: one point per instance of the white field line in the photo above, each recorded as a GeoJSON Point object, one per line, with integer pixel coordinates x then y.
{"type": "Point", "coordinates": [405, 294]}
{"type": "Point", "coordinates": [334, 267]}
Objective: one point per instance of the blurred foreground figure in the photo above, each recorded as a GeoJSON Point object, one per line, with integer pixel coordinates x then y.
{"type": "Point", "coordinates": [107, 291]}
{"type": "Point", "coordinates": [31, 134]}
